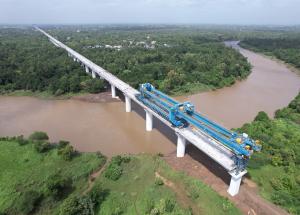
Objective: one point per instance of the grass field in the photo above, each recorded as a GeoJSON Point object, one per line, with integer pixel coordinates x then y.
{"type": "Point", "coordinates": [135, 184]}
{"type": "Point", "coordinates": [23, 169]}
{"type": "Point", "coordinates": [138, 191]}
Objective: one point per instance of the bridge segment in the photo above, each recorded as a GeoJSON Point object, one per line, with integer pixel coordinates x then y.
{"type": "Point", "coordinates": [222, 155]}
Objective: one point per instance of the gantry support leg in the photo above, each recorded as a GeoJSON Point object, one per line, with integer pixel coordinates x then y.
{"type": "Point", "coordinates": [113, 91]}
{"type": "Point", "coordinates": [93, 74]}
{"type": "Point", "coordinates": [181, 144]}
{"type": "Point", "coordinates": [149, 121]}
{"type": "Point", "coordinates": [235, 182]}
{"type": "Point", "coordinates": [127, 104]}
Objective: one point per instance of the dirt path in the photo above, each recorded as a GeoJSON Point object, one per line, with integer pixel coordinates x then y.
{"type": "Point", "coordinates": [181, 194]}
{"type": "Point", "coordinates": [248, 200]}
{"type": "Point", "coordinates": [93, 176]}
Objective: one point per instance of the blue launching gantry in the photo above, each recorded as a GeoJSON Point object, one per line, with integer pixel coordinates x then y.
{"type": "Point", "coordinates": [183, 115]}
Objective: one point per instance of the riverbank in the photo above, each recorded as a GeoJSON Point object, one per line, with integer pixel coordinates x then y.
{"type": "Point", "coordinates": [81, 96]}
{"type": "Point", "coordinates": [135, 184]}
{"type": "Point", "coordinates": [271, 57]}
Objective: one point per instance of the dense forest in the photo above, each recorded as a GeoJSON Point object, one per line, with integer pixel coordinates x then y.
{"type": "Point", "coordinates": [176, 62]}
{"type": "Point", "coordinates": [286, 49]}
{"type": "Point", "coordinates": [39, 177]}
{"type": "Point", "coordinates": [277, 168]}
{"type": "Point", "coordinates": [29, 61]}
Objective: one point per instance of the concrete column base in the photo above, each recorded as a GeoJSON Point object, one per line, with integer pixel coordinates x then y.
{"type": "Point", "coordinates": [87, 70]}
{"type": "Point", "coordinates": [127, 104]}
{"type": "Point", "coordinates": [235, 182]}
{"type": "Point", "coordinates": [181, 144]}
{"type": "Point", "coordinates": [93, 74]}
{"type": "Point", "coordinates": [149, 121]}
{"type": "Point", "coordinates": [113, 91]}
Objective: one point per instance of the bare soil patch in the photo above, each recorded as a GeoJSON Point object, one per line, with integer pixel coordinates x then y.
{"type": "Point", "coordinates": [248, 200]}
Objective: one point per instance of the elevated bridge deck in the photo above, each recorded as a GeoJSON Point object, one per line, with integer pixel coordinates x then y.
{"type": "Point", "coordinates": [222, 155]}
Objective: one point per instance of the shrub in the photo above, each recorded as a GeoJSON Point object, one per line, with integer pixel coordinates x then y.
{"type": "Point", "coordinates": [28, 202]}
{"type": "Point", "coordinates": [262, 116]}
{"type": "Point", "coordinates": [95, 85]}
{"type": "Point", "coordinates": [116, 160]}
{"type": "Point", "coordinates": [63, 143]}
{"type": "Point", "coordinates": [98, 194]}
{"type": "Point", "coordinates": [117, 211]}
{"type": "Point", "coordinates": [75, 205]}
{"type": "Point", "coordinates": [158, 182]}
{"type": "Point", "coordinates": [57, 186]}
{"type": "Point", "coordinates": [21, 141]}
{"type": "Point", "coordinates": [41, 146]}
{"type": "Point", "coordinates": [169, 205]}
{"type": "Point", "coordinates": [38, 135]}
{"type": "Point", "coordinates": [67, 152]}
{"type": "Point", "coordinates": [113, 172]}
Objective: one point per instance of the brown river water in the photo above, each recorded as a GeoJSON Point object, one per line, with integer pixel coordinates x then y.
{"type": "Point", "coordinates": [106, 127]}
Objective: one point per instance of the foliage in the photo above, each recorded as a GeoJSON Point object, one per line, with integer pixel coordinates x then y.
{"type": "Point", "coordinates": [27, 175]}
{"type": "Point", "coordinates": [178, 60]}
{"type": "Point", "coordinates": [39, 136]}
{"type": "Point", "coordinates": [286, 49]}
{"type": "Point", "coordinates": [28, 61]}
{"type": "Point", "coordinates": [57, 186]}
{"type": "Point", "coordinates": [136, 193]}
{"type": "Point", "coordinates": [158, 182]}
{"type": "Point", "coordinates": [42, 146]}
{"type": "Point", "coordinates": [292, 112]}
{"type": "Point", "coordinates": [75, 205]}
{"type": "Point", "coordinates": [22, 141]}
{"type": "Point", "coordinates": [27, 202]}
{"type": "Point", "coordinates": [277, 168]}
{"type": "Point", "coordinates": [67, 152]}
{"type": "Point", "coordinates": [262, 116]}
{"type": "Point", "coordinates": [62, 144]}
{"type": "Point", "coordinates": [94, 85]}
{"type": "Point", "coordinates": [114, 169]}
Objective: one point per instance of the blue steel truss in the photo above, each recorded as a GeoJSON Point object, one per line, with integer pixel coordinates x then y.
{"type": "Point", "coordinates": [183, 115]}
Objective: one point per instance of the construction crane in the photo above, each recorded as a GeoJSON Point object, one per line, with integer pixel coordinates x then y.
{"type": "Point", "coordinates": [183, 115]}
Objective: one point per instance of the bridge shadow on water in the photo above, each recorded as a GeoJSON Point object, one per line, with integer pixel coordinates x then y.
{"type": "Point", "coordinates": [195, 153]}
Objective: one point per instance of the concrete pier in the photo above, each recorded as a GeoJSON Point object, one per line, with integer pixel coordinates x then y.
{"type": "Point", "coordinates": [149, 121]}
{"type": "Point", "coordinates": [235, 182]}
{"type": "Point", "coordinates": [127, 104]}
{"type": "Point", "coordinates": [87, 70]}
{"type": "Point", "coordinates": [93, 74]}
{"type": "Point", "coordinates": [181, 144]}
{"type": "Point", "coordinates": [113, 91]}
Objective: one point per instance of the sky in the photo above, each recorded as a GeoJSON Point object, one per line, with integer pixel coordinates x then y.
{"type": "Point", "coordinates": [242, 12]}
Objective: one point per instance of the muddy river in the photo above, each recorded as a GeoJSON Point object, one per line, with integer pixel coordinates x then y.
{"type": "Point", "coordinates": [107, 128]}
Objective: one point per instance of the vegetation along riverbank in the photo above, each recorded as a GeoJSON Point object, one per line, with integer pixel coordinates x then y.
{"type": "Point", "coordinates": [48, 178]}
